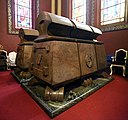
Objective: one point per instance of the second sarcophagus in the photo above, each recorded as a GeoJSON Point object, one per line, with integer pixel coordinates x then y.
{"type": "Point", "coordinates": [25, 46]}
{"type": "Point", "coordinates": [24, 51]}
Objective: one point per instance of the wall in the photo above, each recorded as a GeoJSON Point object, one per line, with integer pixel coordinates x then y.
{"type": "Point", "coordinates": [10, 41]}
{"type": "Point", "coordinates": [45, 5]}
{"type": "Point", "coordinates": [66, 7]}
{"type": "Point", "coordinates": [114, 40]}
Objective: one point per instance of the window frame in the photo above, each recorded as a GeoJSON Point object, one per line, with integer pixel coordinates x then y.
{"type": "Point", "coordinates": [11, 16]}
{"type": "Point", "coordinates": [114, 26]}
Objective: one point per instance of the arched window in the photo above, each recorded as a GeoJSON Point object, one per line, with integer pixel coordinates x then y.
{"type": "Point", "coordinates": [22, 14]}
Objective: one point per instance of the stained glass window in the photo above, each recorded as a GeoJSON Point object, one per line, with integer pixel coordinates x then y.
{"type": "Point", "coordinates": [112, 11]}
{"type": "Point", "coordinates": [23, 14]}
{"type": "Point", "coordinates": [79, 10]}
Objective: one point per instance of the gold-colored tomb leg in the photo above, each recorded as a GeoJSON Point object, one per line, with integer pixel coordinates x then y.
{"type": "Point", "coordinates": [87, 82]}
{"type": "Point", "coordinates": [25, 74]}
{"type": "Point", "coordinates": [57, 95]}
{"type": "Point", "coordinates": [105, 74]}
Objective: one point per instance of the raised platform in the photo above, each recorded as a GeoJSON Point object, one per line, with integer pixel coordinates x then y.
{"type": "Point", "coordinates": [54, 108]}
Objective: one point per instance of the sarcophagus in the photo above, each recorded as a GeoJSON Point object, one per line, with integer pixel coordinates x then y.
{"type": "Point", "coordinates": [25, 46]}
{"type": "Point", "coordinates": [60, 63]}
{"type": "Point", "coordinates": [65, 51]}
{"type": "Point", "coordinates": [24, 51]}
{"type": "Point", "coordinates": [63, 65]}
{"type": "Point", "coordinates": [56, 59]}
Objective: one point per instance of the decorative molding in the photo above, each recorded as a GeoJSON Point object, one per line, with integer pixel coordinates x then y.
{"type": "Point", "coordinates": [11, 30]}
{"type": "Point", "coordinates": [37, 7]}
{"type": "Point", "coordinates": [10, 27]}
{"type": "Point", "coordinates": [108, 28]}
{"type": "Point", "coordinates": [92, 14]}
{"type": "Point", "coordinates": [87, 11]}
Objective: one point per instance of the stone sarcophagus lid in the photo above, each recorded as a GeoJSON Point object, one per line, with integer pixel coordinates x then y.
{"type": "Point", "coordinates": [65, 50]}
{"type": "Point", "coordinates": [28, 35]}
{"type": "Point", "coordinates": [49, 24]}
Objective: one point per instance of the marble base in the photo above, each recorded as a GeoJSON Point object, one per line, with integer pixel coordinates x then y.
{"type": "Point", "coordinates": [54, 108]}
